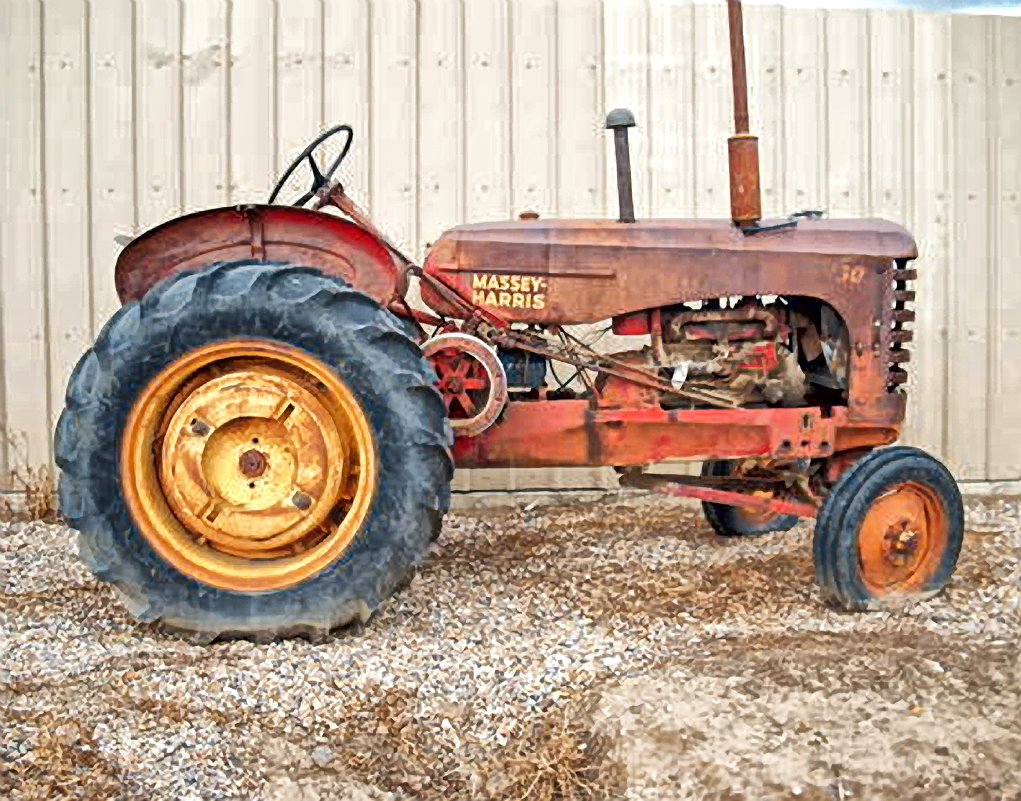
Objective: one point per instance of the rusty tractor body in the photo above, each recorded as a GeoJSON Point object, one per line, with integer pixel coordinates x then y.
{"type": "Point", "coordinates": [775, 352]}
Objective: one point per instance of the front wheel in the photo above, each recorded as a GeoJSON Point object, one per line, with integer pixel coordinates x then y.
{"type": "Point", "coordinates": [891, 528]}
{"type": "Point", "coordinates": [254, 449]}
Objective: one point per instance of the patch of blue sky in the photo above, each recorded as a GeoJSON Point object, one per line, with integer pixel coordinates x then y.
{"type": "Point", "coordinates": [1010, 8]}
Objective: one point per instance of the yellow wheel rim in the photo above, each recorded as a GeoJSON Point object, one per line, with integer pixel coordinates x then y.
{"type": "Point", "coordinates": [248, 465]}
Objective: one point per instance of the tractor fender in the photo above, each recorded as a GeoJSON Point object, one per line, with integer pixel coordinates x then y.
{"type": "Point", "coordinates": [287, 234]}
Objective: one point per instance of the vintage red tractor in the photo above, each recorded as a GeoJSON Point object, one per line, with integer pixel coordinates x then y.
{"type": "Point", "coordinates": [262, 438]}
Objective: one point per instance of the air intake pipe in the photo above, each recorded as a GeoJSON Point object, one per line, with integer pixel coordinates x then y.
{"type": "Point", "coordinates": [619, 120]}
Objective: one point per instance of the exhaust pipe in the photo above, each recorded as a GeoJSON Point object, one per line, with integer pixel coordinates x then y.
{"type": "Point", "coordinates": [743, 147]}
{"type": "Point", "coordinates": [619, 120]}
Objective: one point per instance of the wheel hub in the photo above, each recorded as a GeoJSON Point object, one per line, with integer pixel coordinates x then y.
{"type": "Point", "coordinates": [267, 438]}
{"type": "Point", "coordinates": [252, 463]}
{"type": "Point", "coordinates": [901, 543]}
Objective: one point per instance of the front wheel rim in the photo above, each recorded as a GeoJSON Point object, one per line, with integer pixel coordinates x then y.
{"type": "Point", "coordinates": [902, 540]}
{"type": "Point", "coordinates": [248, 465]}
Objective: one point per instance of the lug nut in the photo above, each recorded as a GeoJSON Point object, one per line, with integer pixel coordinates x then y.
{"type": "Point", "coordinates": [301, 501]}
{"type": "Point", "coordinates": [199, 428]}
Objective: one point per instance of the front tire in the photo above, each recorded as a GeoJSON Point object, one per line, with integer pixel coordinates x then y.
{"type": "Point", "coordinates": [289, 483]}
{"type": "Point", "coordinates": [891, 528]}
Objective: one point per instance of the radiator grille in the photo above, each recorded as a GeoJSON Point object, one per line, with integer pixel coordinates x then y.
{"type": "Point", "coordinates": [903, 317]}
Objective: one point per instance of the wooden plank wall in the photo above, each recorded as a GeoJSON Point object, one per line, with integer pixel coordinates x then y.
{"type": "Point", "coordinates": [119, 114]}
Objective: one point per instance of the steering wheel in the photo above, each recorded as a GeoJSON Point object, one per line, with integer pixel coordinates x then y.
{"type": "Point", "coordinates": [319, 177]}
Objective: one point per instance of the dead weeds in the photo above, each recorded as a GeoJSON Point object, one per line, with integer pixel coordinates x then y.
{"type": "Point", "coordinates": [402, 742]}
{"type": "Point", "coordinates": [558, 754]}
{"type": "Point", "coordinates": [35, 483]}
{"type": "Point", "coordinates": [65, 762]}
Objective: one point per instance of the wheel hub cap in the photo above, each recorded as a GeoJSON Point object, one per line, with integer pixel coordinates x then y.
{"type": "Point", "coordinates": [252, 463]}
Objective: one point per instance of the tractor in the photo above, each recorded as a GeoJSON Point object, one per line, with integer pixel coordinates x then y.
{"type": "Point", "coordinates": [261, 440]}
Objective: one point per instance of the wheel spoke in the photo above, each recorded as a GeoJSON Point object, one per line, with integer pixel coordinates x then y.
{"type": "Point", "coordinates": [474, 383]}
{"type": "Point", "coordinates": [317, 177]}
{"type": "Point", "coordinates": [442, 365]}
{"type": "Point", "coordinates": [466, 403]}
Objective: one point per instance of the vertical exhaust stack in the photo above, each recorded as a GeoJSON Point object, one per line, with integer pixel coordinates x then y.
{"type": "Point", "coordinates": [743, 147]}
{"type": "Point", "coordinates": [619, 120]}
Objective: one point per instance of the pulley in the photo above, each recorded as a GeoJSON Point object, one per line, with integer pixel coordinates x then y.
{"type": "Point", "coordinates": [471, 380]}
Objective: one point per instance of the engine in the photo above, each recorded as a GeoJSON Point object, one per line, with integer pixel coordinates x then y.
{"type": "Point", "coordinates": [747, 353]}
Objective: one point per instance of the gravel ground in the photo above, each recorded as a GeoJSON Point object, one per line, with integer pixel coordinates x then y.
{"type": "Point", "coordinates": [579, 650]}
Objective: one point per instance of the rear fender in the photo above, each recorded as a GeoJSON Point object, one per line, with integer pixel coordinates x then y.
{"type": "Point", "coordinates": [264, 233]}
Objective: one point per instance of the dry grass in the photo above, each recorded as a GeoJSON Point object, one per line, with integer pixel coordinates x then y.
{"type": "Point", "coordinates": [396, 744]}
{"type": "Point", "coordinates": [35, 483]}
{"type": "Point", "coordinates": [66, 763]}
{"type": "Point", "coordinates": [561, 756]}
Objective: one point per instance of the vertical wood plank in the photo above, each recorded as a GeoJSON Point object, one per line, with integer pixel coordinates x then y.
{"type": "Point", "coordinates": [299, 81]}
{"type": "Point", "coordinates": [205, 104]}
{"type": "Point", "coordinates": [763, 32]}
{"type": "Point", "coordinates": [252, 133]}
{"type": "Point", "coordinates": [889, 115]}
{"type": "Point", "coordinates": [440, 145]}
{"type": "Point", "coordinates": [671, 108]}
{"type": "Point", "coordinates": [346, 87]}
{"type": "Point", "coordinates": [847, 125]}
{"type": "Point", "coordinates": [158, 109]}
{"type": "Point", "coordinates": [576, 186]}
{"type": "Point", "coordinates": [626, 76]}
{"type": "Point", "coordinates": [22, 237]}
{"type": "Point", "coordinates": [440, 119]}
{"type": "Point", "coordinates": [581, 165]}
{"type": "Point", "coordinates": [111, 131]}
{"type": "Point", "coordinates": [8, 99]}
{"type": "Point", "coordinates": [394, 119]}
{"type": "Point", "coordinates": [932, 226]}
{"type": "Point", "coordinates": [66, 142]}
{"type": "Point", "coordinates": [967, 403]}
{"type": "Point", "coordinates": [1004, 431]}
{"type": "Point", "coordinates": [890, 140]}
{"type": "Point", "coordinates": [487, 144]}
{"type": "Point", "coordinates": [804, 108]}
{"type": "Point", "coordinates": [534, 105]}
{"type": "Point", "coordinates": [487, 111]}
{"type": "Point", "coordinates": [714, 120]}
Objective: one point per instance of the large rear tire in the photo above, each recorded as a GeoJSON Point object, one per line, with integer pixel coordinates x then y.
{"type": "Point", "coordinates": [253, 450]}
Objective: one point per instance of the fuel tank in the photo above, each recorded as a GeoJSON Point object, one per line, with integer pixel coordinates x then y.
{"type": "Point", "coordinates": [582, 271]}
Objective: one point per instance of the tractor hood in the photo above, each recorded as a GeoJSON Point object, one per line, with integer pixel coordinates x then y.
{"type": "Point", "coordinates": [583, 271]}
